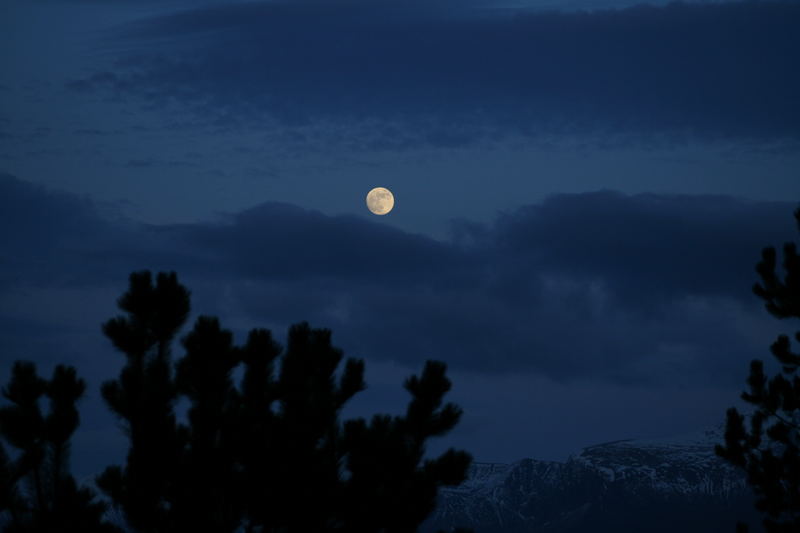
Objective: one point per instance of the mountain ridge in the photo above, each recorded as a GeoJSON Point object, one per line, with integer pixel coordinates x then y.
{"type": "Point", "coordinates": [629, 484]}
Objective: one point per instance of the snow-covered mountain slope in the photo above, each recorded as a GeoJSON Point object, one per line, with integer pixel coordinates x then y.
{"type": "Point", "coordinates": [685, 465]}
{"type": "Point", "coordinates": [629, 485]}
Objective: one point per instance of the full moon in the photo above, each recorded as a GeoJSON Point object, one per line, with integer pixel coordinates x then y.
{"type": "Point", "coordinates": [380, 200]}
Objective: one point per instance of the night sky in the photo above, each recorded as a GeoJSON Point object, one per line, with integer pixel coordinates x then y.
{"type": "Point", "coordinates": [582, 191]}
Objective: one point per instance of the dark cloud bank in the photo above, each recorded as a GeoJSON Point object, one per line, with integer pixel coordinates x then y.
{"type": "Point", "coordinates": [601, 286]}
{"type": "Point", "coordinates": [449, 74]}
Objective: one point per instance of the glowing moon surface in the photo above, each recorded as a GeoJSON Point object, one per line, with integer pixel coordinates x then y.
{"type": "Point", "coordinates": [380, 200]}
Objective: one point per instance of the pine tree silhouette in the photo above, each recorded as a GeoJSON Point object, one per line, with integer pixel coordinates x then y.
{"type": "Point", "coordinates": [391, 487]}
{"type": "Point", "coordinates": [37, 489]}
{"type": "Point", "coordinates": [255, 425]}
{"type": "Point", "coordinates": [769, 450]}
{"type": "Point", "coordinates": [143, 398]}
{"type": "Point", "coordinates": [305, 433]}
{"type": "Point", "coordinates": [205, 497]}
{"type": "Point", "coordinates": [268, 453]}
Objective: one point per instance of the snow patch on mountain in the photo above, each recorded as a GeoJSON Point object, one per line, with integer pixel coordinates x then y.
{"type": "Point", "coordinates": [676, 476]}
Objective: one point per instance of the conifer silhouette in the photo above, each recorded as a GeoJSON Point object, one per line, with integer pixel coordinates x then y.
{"type": "Point", "coordinates": [143, 398]}
{"type": "Point", "coordinates": [205, 495]}
{"type": "Point", "coordinates": [268, 453]}
{"type": "Point", "coordinates": [392, 488]}
{"type": "Point", "coordinates": [255, 424]}
{"type": "Point", "coordinates": [769, 450]}
{"type": "Point", "coordinates": [36, 488]}
{"type": "Point", "coordinates": [304, 436]}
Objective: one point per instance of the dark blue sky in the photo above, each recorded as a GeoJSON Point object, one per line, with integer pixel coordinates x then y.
{"type": "Point", "coordinates": [581, 195]}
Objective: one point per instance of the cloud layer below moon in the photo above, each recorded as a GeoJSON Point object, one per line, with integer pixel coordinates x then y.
{"type": "Point", "coordinates": [622, 288]}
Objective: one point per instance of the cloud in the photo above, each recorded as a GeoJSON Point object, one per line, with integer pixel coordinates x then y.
{"type": "Point", "coordinates": [604, 286]}
{"type": "Point", "coordinates": [284, 242]}
{"type": "Point", "coordinates": [451, 75]}
{"type": "Point", "coordinates": [57, 239]}
{"type": "Point", "coordinates": [659, 245]}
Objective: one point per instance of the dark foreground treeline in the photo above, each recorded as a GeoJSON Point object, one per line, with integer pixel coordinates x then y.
{"type": "Point", "coordinates": [267, 454]}
{"type": "Point", "coordinates": [767, 448]}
